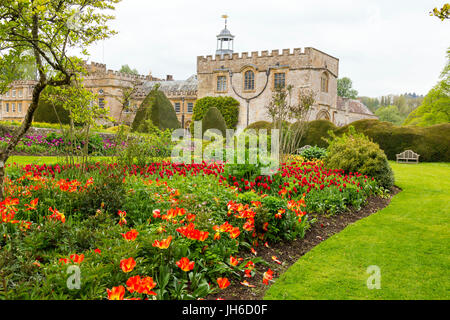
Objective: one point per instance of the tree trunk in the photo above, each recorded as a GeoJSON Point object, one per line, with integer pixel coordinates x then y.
{"type": "Point", "coordinates": [19, 133]}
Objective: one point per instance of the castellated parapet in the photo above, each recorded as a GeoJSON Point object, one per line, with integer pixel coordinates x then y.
{"type": "Point", "coordinates": [96, 69]}
{"type": "Point", "coordinates": [293, 59]}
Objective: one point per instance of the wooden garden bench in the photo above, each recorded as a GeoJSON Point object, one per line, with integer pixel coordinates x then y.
{"type": "Point", "coordinates": [408, 156]}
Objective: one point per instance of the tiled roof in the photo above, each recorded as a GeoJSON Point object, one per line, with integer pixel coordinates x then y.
{"type": "Point", "coordinates": [189, 85]}
{"type": "Point", "coordinates": [354, 106]}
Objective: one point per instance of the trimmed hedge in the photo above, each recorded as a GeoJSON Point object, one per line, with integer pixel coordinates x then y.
{"type": "Point", "coordinates": [260, 125]}
{"type": "Point", "coordinates": [213, 120]}
{"type": "Point", "coordinates": [228, 107]}
{"type": "Point", "coordinates": [46, 113]}
{"type": "Point", "coordinates": [432, 143]}
{"type": "Point", "coordinates": [157, 108]}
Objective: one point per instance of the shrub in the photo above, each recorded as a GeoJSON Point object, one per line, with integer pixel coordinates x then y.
{"type": "Point", "coordinates": [315, 131]}
{"type": "Point", "coordinates": [260, 125]}
{"type": "Point", "coordinates": [157, 108]}
{"type": "Point", "coordinates": [118, 128]}
{"type": "Point", "coordinates": [432, 143]}
{"type": "Point", "coordinates": [228, 107]}
{"type": "Point", "coordinates": [314, 153]}
{"type": "Point", "coordinates": [45, 112]}
{"type": "Point", "coordinates": [213, 120]}
{"type": "Point", "coordinates": [354, 152]}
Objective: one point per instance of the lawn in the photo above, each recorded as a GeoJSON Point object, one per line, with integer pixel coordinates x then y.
{"type": "Point", "coordinates": [409, 241]}
{"type": "Point", "coordinates": [24, 160]}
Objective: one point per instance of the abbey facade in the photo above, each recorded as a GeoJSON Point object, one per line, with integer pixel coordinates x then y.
{"type": "Point", "coordinates": [250, 78]}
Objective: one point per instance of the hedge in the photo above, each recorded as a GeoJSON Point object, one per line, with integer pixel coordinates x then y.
{"type": "Point", "coordinates": [432, 143]}
{"type": "Point", "coordinates": [228, 107]}
{"type": "Point", "coordinates": [157, 108]}
{"type": "Point", "coordinates": [46, 113]}
{"type": "Point", "coordinates": [213, 120]}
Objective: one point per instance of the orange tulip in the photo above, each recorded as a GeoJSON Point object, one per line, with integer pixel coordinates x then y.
{"type": "Point", "coordinates": [147, 284]}
{"type": "Point", "coordinates": [116, 293]}
{"type": "Point", "coordinates": [130, 235]}
{"type": "Point", "coordinates": [32, 205]}
{"type": "Point", "coordinates": [57, 215]}
{"type": "Point", "coordinates": [133, 284]}
{"type": "Point", "coordinates": [223, 283]}
{"type": "Point", "coordinates": [245, 283]}
{"type": "Point", "coordinates": [276, 260]}
{"type": "Point", "coordinates": [235, 233]}
{"type": "Point", "coordinates": [268, 276]}
{"type": "Point", "coordinates": [127, 265]}
{"type": "Point", "coordinates": [233, 261]}
{"type": "Point", "coordinates": [77, 258]}
{"type": "Point", "coordinates": [185, 264]}
{"type": "Point", "coordinates": [163, 244]}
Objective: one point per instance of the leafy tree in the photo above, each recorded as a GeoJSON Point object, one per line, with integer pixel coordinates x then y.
{"type": "Point", "coordinates": [345, 90]}
{"type": "Point", "coordinates": [281, 110]}
{"type": "Point", "coordinates": [390, 114]}
{"type": "Point", "coordinates": [126, 97]}
{"type": "Point", "coordinates": [435, 108]}
{"type": "Point", "coordinates": [443, 13]}
{"type": "Point", "coordinates": [48, 29]}
{"type": "Point", "coordinates": [126, 69]}
{"type": "Point", "coordinates": [372, 103]}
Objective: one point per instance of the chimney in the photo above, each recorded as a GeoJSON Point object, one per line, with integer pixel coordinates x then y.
{"type": "Point", "coordinates": [169, 77]}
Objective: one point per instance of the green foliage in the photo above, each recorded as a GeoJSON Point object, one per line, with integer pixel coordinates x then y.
{"type": "Point", "coordinates": [260, 125]}
{"type": "Point", "coordinates": [159, 110]}
{"type": "Point", "coordinates": [45, 113]}
{"type": "Point", "coordinates": [316, 132]}
{"type": "Point", "coordinates": [432, 143]}
{"type": "Point", "coordinates": [213, 120]}
{"type": "Point", "coordinates": [126, 69]}
{"type": "Point", "coordinates": [314, 153]}
{"type": "Point", "coordinates": [142, 149]}
{"type": "Point", "coordinates": [442, 13]}
{"type": "Point", "coordinates": [390, 114]}
{"type": "Point", "coordinates": [354, 152]}
{"type": "Point", "coordinates": [228, 107]}
{"type": "Point", "coordinates": [435, 108]}
{"type": "Point", "coordinates": [345, 88]}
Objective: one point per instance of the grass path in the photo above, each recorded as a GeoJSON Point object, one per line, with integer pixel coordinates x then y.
{"type": "Point", "coordinates": [409, 241]}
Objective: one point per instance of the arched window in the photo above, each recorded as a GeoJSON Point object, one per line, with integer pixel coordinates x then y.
{"type": "Point", "coordinates": [249, 80]}
{"type": "Point", "coordinates": [324, 82]}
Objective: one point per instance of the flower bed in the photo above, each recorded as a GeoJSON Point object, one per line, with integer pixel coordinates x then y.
{"type": "Point", "coordinates": [162, 231]}
{"type": "Point", "coordinates": [55, 144]}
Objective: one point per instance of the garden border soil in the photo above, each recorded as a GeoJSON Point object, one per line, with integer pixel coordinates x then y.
{"type": "Point", "coordinates": [289, 252]}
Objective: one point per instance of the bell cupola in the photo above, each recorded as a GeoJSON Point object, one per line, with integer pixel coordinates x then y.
{"type": "Point", "coordinates": [225, 40]}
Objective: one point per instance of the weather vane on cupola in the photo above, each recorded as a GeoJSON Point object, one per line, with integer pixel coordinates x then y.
{"type": "Point", "coordinates": [225, 40]}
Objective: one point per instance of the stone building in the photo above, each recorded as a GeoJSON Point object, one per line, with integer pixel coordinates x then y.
{"type": "Point", "coordinates": [14, 103]}
{"type": "Point", "coordinates": [250, 78]}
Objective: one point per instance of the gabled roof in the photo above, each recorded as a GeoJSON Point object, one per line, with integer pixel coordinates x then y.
{"type": "Point", "coordinates": [188, 85]}
{"type": "Point", "coordinates": [354, 106]}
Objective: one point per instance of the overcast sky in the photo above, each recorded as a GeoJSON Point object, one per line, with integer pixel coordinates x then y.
{"type": "Point", "coordinates": [384, 46]}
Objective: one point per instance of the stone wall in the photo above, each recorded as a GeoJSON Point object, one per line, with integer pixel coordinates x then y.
{"type": "Point", "coordinates": [302, 69]}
